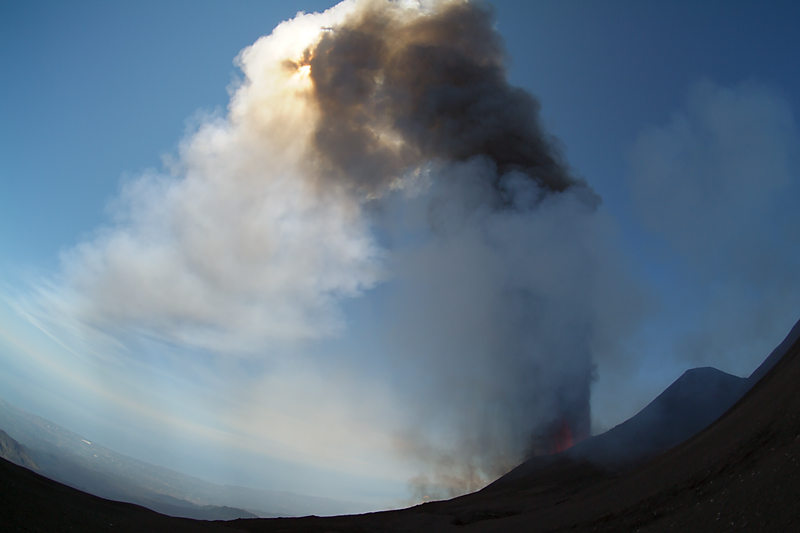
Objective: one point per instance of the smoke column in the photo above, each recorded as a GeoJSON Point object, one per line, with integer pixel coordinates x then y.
{"type": "Point", "coordinates": [403, 92]}
{"type": "Point", "coordinates": [378, 147]}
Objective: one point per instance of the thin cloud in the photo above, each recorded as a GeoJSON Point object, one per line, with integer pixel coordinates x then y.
{"type": "Point", "coordinates": [713, 183]}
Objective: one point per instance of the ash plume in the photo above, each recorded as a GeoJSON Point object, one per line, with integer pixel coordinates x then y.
{"type": "Point", "coordinates": [405, 95]}
{"type": "Point", "coordinates": [396, 89]}
{"type": "Point", "coordinates": [376, 153]}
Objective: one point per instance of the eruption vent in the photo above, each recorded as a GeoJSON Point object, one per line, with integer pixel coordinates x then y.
{"type": "Point", "coordinates": [561, 438]}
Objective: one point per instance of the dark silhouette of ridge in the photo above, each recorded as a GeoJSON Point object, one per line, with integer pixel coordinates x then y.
{"type": "Point", "coordinates": [691, 403]}
{"type": "Point", "coordinates": [740, 473]}
{"type": "Point", "coordinates": [775, 356]}
{"type": "Point", "coordinates": [695, 400]}
{"type": "Point", "coordinates": [31, 502]}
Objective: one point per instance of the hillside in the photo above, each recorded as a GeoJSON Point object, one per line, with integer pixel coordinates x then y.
{"type": "Point", "coordinates": [742, 472]}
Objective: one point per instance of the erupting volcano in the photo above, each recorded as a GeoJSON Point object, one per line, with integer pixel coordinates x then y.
{"type": "Point", "coordinates": [376, 260]}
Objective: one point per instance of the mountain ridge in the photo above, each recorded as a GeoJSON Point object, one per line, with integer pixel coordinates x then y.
{"type": "Point", "coordinates": [740, 472]}
{"type": "Point", "coordinates": [698, 398]}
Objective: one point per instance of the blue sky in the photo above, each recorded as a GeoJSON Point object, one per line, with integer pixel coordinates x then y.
{"type": "Point", "coordinates": [681, 117]}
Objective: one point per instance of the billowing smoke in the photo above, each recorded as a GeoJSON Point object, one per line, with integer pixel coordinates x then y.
{"type": "Point", "coordinates": [396, 89]}
{"type": "Point", "coordinates": [376, 152]}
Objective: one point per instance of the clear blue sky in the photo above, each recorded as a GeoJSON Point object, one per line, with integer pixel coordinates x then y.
{"type": "Point", "coordinates": [683, 117]}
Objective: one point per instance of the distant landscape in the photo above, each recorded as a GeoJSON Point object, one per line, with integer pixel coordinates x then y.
{"type": "Point", "coordinates": [69, 458]}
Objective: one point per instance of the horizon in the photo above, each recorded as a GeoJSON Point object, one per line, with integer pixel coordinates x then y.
{"type": "Point", "coordinates": [682, 119]}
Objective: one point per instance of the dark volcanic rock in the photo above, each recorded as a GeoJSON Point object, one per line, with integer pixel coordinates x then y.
{"type": "Point", "coordinates": [695, 400]}
{"type": "Point", "coordinates": [31, 502]}
{"type": "Point", "coordinates": [689, 405]}
{"type": "Point", "coordinates": [776, 355]}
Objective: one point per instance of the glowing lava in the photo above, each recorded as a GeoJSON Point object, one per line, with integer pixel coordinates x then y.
{"type": "Point", "coordinates": [562, 438]}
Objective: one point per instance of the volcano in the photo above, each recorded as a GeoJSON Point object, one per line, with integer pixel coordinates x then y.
{"type": "Point", "coordinates": [742, 472]}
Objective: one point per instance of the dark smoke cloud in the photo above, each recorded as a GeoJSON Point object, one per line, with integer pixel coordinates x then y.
{"type": "Point", "coordinates": [396, 91]}
{"type": "Point", "coordinates": [495, 321]}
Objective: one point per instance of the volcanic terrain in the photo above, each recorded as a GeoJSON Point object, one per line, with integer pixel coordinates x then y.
{"type": "Point", "coordinates": [742, 472]}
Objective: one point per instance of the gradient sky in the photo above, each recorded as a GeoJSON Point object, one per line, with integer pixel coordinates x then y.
{"type": "Point", "coordinates": [682, 117]}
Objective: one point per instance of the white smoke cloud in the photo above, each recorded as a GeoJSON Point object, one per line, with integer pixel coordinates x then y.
{"type": "Point", "coordinates": [237, 246]}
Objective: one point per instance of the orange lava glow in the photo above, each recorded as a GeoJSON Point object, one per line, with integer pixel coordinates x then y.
{"type": "Point", "coordinates": [562, 438]}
